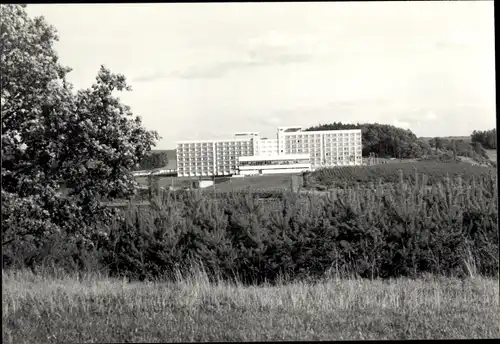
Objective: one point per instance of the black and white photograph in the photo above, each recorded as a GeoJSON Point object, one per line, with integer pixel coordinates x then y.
{"type": "Point", "coordinates": [248, 171]}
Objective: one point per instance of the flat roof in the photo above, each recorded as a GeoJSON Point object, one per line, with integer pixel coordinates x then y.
{"type": "Point", "coordinates": [247, 136]}
{"type": "Point", "coordinates": [242, 133]}
{"type": "Point", "coordinates": [320, 132]}
{"type": "Point", "coordinates": [243, 139]}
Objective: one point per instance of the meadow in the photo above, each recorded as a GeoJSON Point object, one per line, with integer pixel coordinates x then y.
{"type": "Point", "coordinates": [342, 177]}
{"type": "Point", "coordinates": [52, 308]}
{"type": "Point", "coordinates": [416, 258]}
{"type": "Point", "coordinates": [433, 171]}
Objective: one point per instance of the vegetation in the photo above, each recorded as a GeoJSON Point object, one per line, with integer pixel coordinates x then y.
{"type": "Point", "coordinates": [153, 160]}
{"type": "Point", "coordinates": [53, 138]}
{"type": "Point", "coordinates": [364, 176]}
{"type": "Point", "coordinates": [404, 225]}
{"type": "Point", "coordinates": [46, 309]}
{"type": "Point", "coordinates": [453, 148]}
{"type": "Point", "coordinates": [389, 141]}
{"type": "Point", "coordinates": [398, 230]}
{"type": "Point", "coordinates": [383, 140]}
{"type": "Point", "coordinates": [488, 138]}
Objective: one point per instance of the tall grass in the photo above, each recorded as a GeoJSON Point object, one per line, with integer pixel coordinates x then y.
{"type": "Point", "coordinates": [92, 308]}
{"type": "Point", "coordinates": [398, 261]}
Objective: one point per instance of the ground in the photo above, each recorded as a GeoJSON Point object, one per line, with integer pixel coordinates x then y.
{"type": "Point", "coordinates": [67, 309]}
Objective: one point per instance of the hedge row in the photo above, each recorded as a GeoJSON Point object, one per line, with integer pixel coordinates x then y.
{"type": "Point", "coordinates": [400, 230]}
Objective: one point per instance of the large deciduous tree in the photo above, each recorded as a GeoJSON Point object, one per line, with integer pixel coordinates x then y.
{"type": "Point", "coordinates": [53, 138]}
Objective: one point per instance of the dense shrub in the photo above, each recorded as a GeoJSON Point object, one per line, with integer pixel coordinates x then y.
{"type": "Point", "coordinates": [403, 229]}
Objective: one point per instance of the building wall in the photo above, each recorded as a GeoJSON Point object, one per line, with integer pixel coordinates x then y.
{"type": "Point", "coordinates": [273, 171]}
{"type": "Point", "coordinates": [326, 148]}
{"type": "Point", "coordinates": [208, 158]}
{"type": "Point", "coordinates": [266, 147]}
{"type": "Point", "coordinates": [220, 157]}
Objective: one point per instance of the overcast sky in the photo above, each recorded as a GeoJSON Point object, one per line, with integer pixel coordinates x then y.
{"type": "Point", "coordinates": [207, 70]}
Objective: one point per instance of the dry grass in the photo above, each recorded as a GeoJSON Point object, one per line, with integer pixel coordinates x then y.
{"type": "Point", "coordinates": [98, 309]}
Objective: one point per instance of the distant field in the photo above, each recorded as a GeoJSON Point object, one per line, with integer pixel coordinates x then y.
{"type": "Point", "coordinates": [340, 176]}
{"type": "Point", "coordinates": [265, 182]}
{"type": "Point", "coordinates": [492, 154]}
{"type": "Point", "coordinates": [390, 173]}
{"type": "Point", "coordinates": [176, 182]}
{"type": "Point", "coordinates": [279, 181]}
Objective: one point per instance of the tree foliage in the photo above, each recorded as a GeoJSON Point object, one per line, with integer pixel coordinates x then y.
{"type": "Point", "coordinates": [488, 138]}
{"type": "Point", "coordinates": [153, 160]}
{"type": "Point", "coordinates": [383, 139]}
{"type": "Point", "coordinates": [53, 138]}
{"type": "Point", "coordinates": [459, 148]}
{"type": "Point", "coordinates": [404, 229]}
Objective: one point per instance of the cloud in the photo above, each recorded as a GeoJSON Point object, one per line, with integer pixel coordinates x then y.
{"type": "Point", "coordinates": [418, 116]}
{"type": "Point", "coordinates": [273, 49]}
{"type": "Point", "coordinates": [401, 124]}
{"type": "Point", "coordinates": [454, 41]}
{"type": "Point", "coordinates": [150, 77]}
{"type": "Point", "coordinates": [270, 121]}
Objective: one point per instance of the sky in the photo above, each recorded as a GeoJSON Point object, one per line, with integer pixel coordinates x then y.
{"type": "Point", "coordinates": [207, 70]}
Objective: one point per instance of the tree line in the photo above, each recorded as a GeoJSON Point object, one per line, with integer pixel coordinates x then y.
{"type": "Point", "coordinates": [383, 139]}
{"type": "Point", "coordinates": [152, 160]}
{"type": "Point", "coordinates": [389, 141]}
{"type": "Point", "coordinates": [487, 138]}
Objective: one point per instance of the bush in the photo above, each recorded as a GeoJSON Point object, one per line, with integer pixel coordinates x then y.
{"type": "Point", "coordinates": [385, 231]}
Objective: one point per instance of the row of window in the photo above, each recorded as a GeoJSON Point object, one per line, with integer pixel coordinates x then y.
{"type": "Point", "coordinates": [207, 144]}
{"type": "Point", "coordinates": [238, 151]}
{"type": "Point", "coordinates": [331, 134]}
{"type": "Point", "coordinates": [212, 151]}
{"type": "Point", "coordinates": [244, 151]}
{"type": "Point", "coordinates": [351, 140]}
{"type": "Point", "coordinates": [274, 162]}
{"type": "Point", "coordinates": [210, 156]}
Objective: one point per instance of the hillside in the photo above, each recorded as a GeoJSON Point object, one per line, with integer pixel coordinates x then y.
{"type": "Point", "coordinates": [456, 138]}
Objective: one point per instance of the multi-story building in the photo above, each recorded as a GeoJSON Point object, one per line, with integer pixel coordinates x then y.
{"type": "Point", "coordinates": [266, 147]}
{"type": "Point", "coordinates": [220, 157]}
{"type": "Point", "coordinates": [326, 148]}
{"type": "Point", "coordinates": [273, 164]}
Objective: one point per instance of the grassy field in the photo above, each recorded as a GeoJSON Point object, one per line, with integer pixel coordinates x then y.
{"type": "Point", "coordinates": [279, 181]}
{"type": "Point", "coordinates": [492, 154]}
{"type": "Point", "coordinates": [96, 309]}
{"type": "Point", "coordinates": [177, 182]}
{"type": "Point", "coordinates": [388, 173]}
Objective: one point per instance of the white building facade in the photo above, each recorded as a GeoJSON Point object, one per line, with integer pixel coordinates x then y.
{"type": "Point", "coordinates": [273, 164]}
{"type": "Point", "coordinates": [224, 157]}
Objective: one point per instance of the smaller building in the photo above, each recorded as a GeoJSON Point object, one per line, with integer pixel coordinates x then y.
{"type": "Point", "coordinates": [273, 164]}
